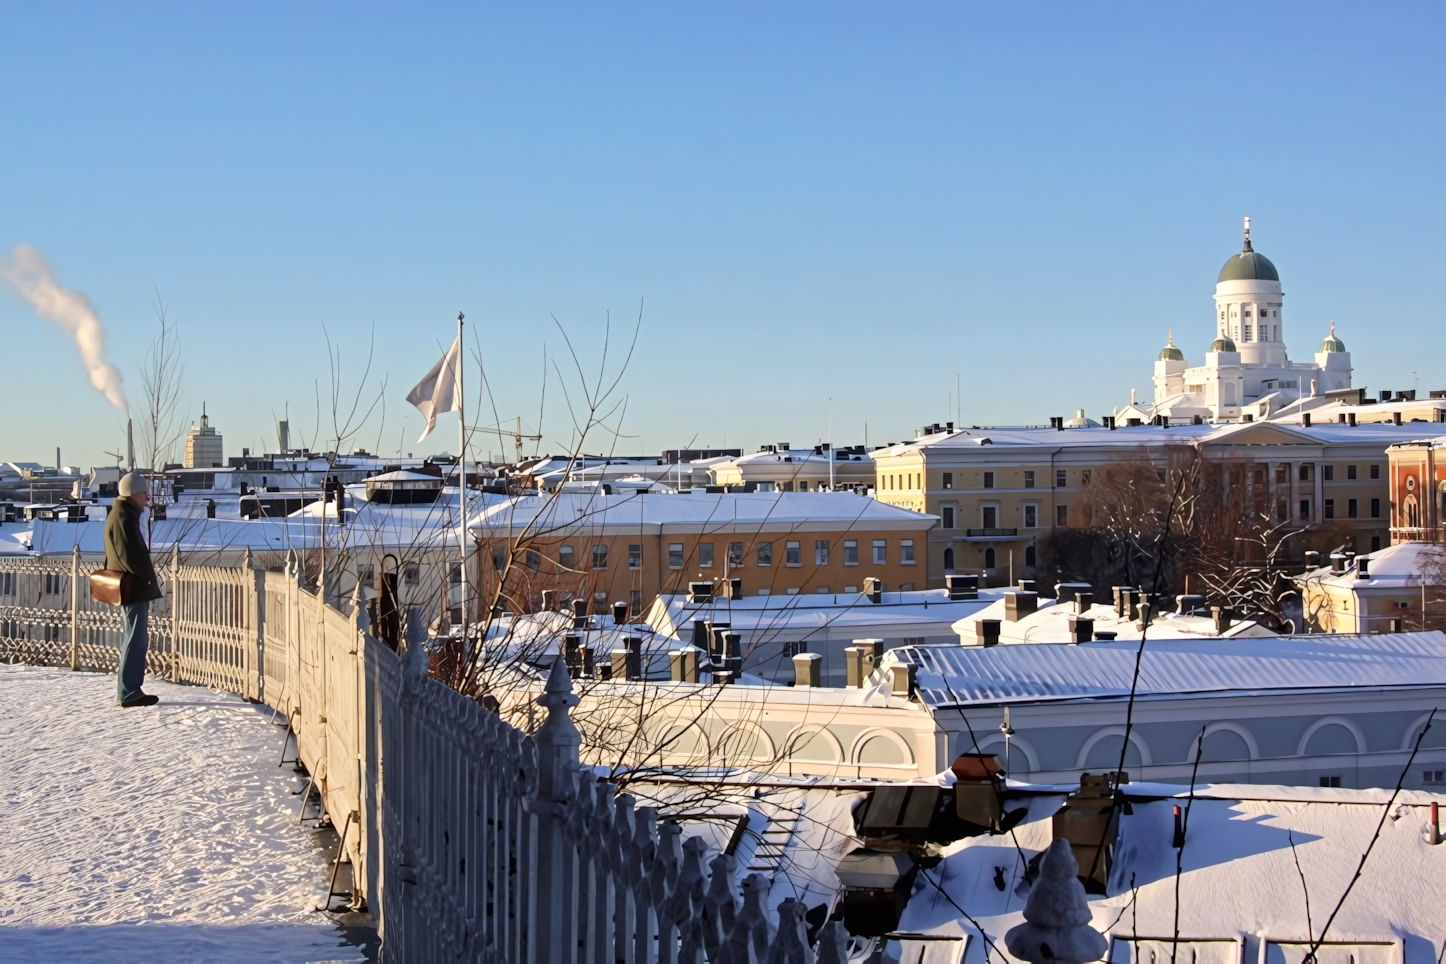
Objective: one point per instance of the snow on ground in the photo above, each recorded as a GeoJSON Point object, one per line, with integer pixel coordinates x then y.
{"type": "Point", "coordinates": [165, 833]}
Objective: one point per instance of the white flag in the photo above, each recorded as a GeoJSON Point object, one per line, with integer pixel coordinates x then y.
{"type": "Point", "coordinates": [438, 391]}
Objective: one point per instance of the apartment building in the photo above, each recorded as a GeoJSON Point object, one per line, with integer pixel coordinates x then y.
{"type": "Point", "coordinates": [632, 546]}
{"type": "Point", "coordinates": [1418, 490]}
{"type": "Point", "coordinates": [999, 495]}
{"type": "Point", "coordinates": [782, 468]}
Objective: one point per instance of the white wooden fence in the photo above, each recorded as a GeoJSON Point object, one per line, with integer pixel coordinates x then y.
{"type": "Point", "coordinates": [468, 839]}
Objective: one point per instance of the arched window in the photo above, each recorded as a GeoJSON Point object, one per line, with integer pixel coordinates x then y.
{"type": "Point", "coordinates": [1413, 513]}
{"type": "Point", "coordinates": [949, 558]}
{"type": "Point", "coordinates": [988, 558]}
{"type": "Point", "coordinates": [1029, 555]}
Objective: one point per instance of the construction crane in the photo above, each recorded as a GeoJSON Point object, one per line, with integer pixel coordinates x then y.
{"type": "Point", "coordinates": [517, 435]}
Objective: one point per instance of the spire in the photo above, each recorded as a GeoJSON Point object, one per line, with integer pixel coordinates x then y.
{"type": "Point", "coordinates": [1171, 340]}
{"type": "Point", "coordinates": [1333, 328]}
{"type": "Point", "coordinates": [204, 421]}
{"type": "Point", "coordinates": [1247, 234]}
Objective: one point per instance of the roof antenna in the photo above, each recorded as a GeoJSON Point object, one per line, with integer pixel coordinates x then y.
{"type": "Point", "coordinates": [1247, 234]}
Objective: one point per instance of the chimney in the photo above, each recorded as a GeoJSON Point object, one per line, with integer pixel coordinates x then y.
{"type": "Point", "coordinates": [1081, 630]}
{"type": "Point", "coordinates": [1056, 422]}
{"type": "Point", "coordinates": [1395, 625]}
{"type": "Point", "coordinates": [632, 659]}
{"type": "Point", "coordinates": [579, 614]}
{"type": "Point", "coordinates": [901, 676]}
{"type": "Point", "coordinates": [1363, 567]}
{"type": "Point", "coordinates": [700, 633]}
{"type": "Point", "coordinates": [986, 632]}
{"type": "Point", "coordinates": [1028, 585]}
{"type": "Point", "coordinates": [1190, 604]}
{"type": "Point", "coordinates": [549, 600]}
{"type": "Point", "coordinates": [1083, 601]}
{"type": "Point", "coordinates": [1395, 418]}
{"type": "Point", "coordinates": [859, 663]}
{"type": "Point", "coordinates": [700, 592]}
{"type": "Point", "coordinates": [733, 653]}
{"type": "Point", "coordinates": [1247, 417]}
{"type": "Point", "coordinates": [572, 654]}
{"type": "Point", "coordinates": [808, 669]}
{"type": "Point", "coordinates": [1305, 419]}
{"type": "Point", "coordinates": [874, 589]}
{"type": "Point", "coordinates": [1351, 419]}
{"type": "Point", "coordinates": [620, 613]}
{"type": "Point", "coordinates": [1066, 591]}
{"type": "Point", "coordinates": [683, 664]}
{"type": "Point", "coordinates": [1338, 563]}
{"type": "Point", "coordinates": [1147, 614]}
{"type": "Point", "coordinates": [1105, 635]}
{"type": "Point", "coordinates": [1019, 604]}
{"type": "Point", "coordinates": [1312, 559]}
{"type": "Point", "coordinates": [1109, 422]}
{"type": "Point", "coordinates": [962, 587]}
{"type": "Point", "coordinates": [1221, 617]}
{"type": "Point", "coordinates": [1118, 592]}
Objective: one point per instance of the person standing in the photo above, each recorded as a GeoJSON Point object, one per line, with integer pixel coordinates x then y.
{"type": "Point", "coordinates": [126, 551]}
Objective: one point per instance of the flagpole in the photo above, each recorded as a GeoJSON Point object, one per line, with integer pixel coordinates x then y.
{"type": "Point", "coordinates": [462, 475]}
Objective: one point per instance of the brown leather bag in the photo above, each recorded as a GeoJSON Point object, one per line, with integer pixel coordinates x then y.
{"type": "Point", "coordinates": [111, 587]}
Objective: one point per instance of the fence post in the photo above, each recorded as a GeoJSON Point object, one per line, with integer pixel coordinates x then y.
{"type": "Point", "coordinates": [74, 605]}
{"type": "Point", "coordinates": [557, 741]}
{"type": "Point", "coordinates": [256, 613]}
{"type": "Point", "coordinates": [176, 613]}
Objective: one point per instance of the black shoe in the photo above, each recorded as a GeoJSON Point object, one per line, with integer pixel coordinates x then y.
{"type": "Point", "coordinates": [141, 699]}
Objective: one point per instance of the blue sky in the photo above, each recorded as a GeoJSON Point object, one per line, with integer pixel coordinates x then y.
{"type": "Point", "coordinates": [813, 201]}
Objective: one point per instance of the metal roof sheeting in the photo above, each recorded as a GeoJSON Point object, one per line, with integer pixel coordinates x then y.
{"type": "Point", "coordinates": [960, 675]}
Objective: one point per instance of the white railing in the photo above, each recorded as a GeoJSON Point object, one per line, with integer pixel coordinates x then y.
{"type": "Point", "coordinates": [469, 839]}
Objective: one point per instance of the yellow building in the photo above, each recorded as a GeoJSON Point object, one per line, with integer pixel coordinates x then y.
{"type": "Point", "coordinates": [1000, 494]}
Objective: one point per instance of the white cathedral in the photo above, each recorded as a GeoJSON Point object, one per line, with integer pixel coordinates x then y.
{"type": "Point", "coordinates": [1247, 374]}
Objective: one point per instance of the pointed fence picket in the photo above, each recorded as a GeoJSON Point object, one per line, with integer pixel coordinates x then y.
{"type": "Point", "coordinates": [468, 839]}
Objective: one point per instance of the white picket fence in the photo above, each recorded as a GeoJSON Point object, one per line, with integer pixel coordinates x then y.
{"type": "Point", "coordinates": [468, 839]}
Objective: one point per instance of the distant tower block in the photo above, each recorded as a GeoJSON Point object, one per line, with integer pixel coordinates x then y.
{"type": "Point", "coordinates": [203, 445]}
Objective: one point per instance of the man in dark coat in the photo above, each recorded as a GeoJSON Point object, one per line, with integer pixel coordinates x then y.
{"type": "Point", "coordinates": [126, 551]}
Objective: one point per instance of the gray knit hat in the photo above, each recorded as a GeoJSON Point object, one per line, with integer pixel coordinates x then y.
{"type": "Point", "coordinates": [132, 483]}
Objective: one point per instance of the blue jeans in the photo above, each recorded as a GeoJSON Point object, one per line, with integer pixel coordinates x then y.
{"type": "Point", "coordinates": [132, 670]}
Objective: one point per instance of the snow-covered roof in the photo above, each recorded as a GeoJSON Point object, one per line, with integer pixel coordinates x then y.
{"type": "Point", "coordinates": [1050, 624]}
{"type": "Point", "coordinates": [924, 612]}
{"type": "Point", "coordinates": [1252, 857]}
{"type": "Point", "coordinates": [637, 512]}
{"type": "Point", "coordinates": [1394, 566]}
{"type": "Point", "coordinates": [960, 675]}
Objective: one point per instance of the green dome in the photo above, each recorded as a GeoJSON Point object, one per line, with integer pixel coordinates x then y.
{"type": "Point", "coordinates": [1222, 344]}
{"type": "Point", "coordinates": [1332, 343]}
{"type": "Point", "coordinates": [1171, 353]}
{"type": "Point", "coordinates": [1248, 265]}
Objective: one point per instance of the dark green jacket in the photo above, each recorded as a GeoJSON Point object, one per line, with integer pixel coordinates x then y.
{"type": "Point", "coordinates": [126, 551]}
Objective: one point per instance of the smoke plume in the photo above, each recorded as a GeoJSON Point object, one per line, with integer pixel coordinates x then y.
{"type": "Point", "coordinates": [36, 283]}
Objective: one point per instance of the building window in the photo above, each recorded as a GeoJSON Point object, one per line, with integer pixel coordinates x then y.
{"type": "Point", "coordinates": [1029, 478]}
{"type": "Point", "coordinates": [1247, 328]}
{"type": "Point", "coordinates": [1350, 471]}
{"type": "Point", "coordinates": [946, 514]}
{"type": "Point", "coordinates": [1305, 471]}
{"type": "Point", "coordinates": [635, 555]}
{"type": "Point", "coordinates": [1061, 515]}
{"type": "Point", "coordinates": [1328, 473]}
{"type": "Point", "coordinates": [534, 561]}
{"type": "Point", "coordinates": [599, 557]}
{"type": "Point", "coordinates": [949, 559]}
{"type": "Point", "coordinates": [1030, 556]}
{"type": "Point", "coordinates": [366, 575]}
{"type": "Point", "coordinates": [1031, 515]}
{"type": "Point", "coordinates": [765, 553]}
{"type": "Point", "coordinates": [792, 554]}
{"type": "Point", "coordinates": [705, 555]}
{"type": "Point", "coordinates": [1282, 473]}
{"type": "Point", "coordinates": [802, 485]}
{"type": "Point", "coordinates": [989, 558]}
{"type": "Point", "coordinates": [499, 559]}
{"type": "Point", "coordinates": [1305, 510]}
{"type": "Point", "coordinates": [881, 552]}
{"type": "Point", "coordinates": [564, 557]}
{"type": "Point", "coordinates": [735, 555]}
{"type": "Point", "coordinates": [989, 516]}
{"type": "Point", "coordinates": [1375, 543]}
{"type": "Point", "coordinates": [635, 603]}
{"type": "Point", "coordinates": [1331, 781]}
{"type": "Point", "coordinates": [1059, 479]}
{"type": "Point", "coordinates": [675, 555]}
{"type": "Point", "coordinates": [1330, 508]}
{"type": "Point", "coordinates": [1435, 777]}
{"type": "Point", "coordinates": [1352, 508]}
{"type": "Point", "coordinates": [906, 552]}
{"type": "Point", "coordinates": [1280, 509]}
{"type": "Point", "coordinates": [820, 552]}
{"type": "Point", "coordinates": [948, 480]}
{"type": "Point", "coordinates": [989, 480]}
{"type": "Point", "coordinates": [454, 575]}
{"type": "Point", "coordinates": [1375, 471]}
{"type": "Point", "coordinates": [851, 552]}
{"type": "Point", "coordinates": [411, 574]}
{"type": "Point", "coordinates": [1375, 509]}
